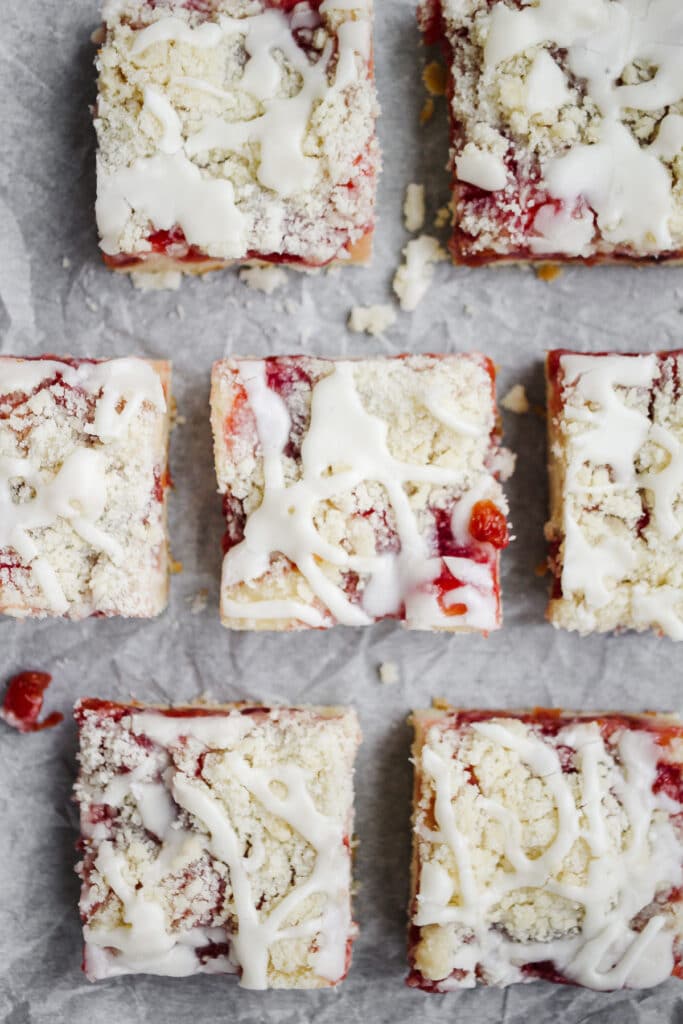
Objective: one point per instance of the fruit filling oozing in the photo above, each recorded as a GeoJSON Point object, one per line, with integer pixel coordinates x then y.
{"type": "Point", "coordinates": [228, 136]}
{"type": "Point", "coordinates": [548, 845]}
{"type": "Point", "coordinates": [217, 840]}
{"type": "Point", "coordinates": [360, 491]}
{"type": "Point", "coordinates": [558, 124]}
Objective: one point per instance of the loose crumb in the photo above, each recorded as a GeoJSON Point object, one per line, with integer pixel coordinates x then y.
{"type": "Point", "coordinates": [198, 601]}
{"type": "Point", "coordinates": [159, 281]}
{"type": "Point", "coordinates": [180, 312]}
{"type": "Point", "coordinates": [66, 262]}
{"type": "Point", "coordinates": [444, 215]}
{"type": "Point", "coordinates": [388, 673]}
{"type": "Point", "coordinates": [372, 320]}
{"type": "Point", "coordinates": [174, 567]}
{"type": "Point", "coordinates": [413, 277]}
{"type": "Point", "coordinates": [263, 279]}
{"type": "Point", "coordinates": [516, 400]}
{"type": "Point", "coordinates": [291, 307]}
{"type": "Point", "coordinates": [469, 310]}
{"type": "Point", "coordinates": [435, 78]}
{"type": "Point", "coordinates": [548, 272]}
{"type": "Point", "coordinates": [440, 704]}
{"type": "Point", "coordinates": [414, 207]}
{"type": "Point", "coordinates": [98, 36]}
{"type": "Point", "coordinates": [427, 112]}
{"type": "Point", "coordinates": [92, 305]}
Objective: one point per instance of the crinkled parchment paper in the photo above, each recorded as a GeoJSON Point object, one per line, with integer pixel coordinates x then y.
{"type": "Point", "coordinates": [57, 297]}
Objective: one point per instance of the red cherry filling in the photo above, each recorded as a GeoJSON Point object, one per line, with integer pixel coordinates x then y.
{"type": "Point", "coordinates": [24, 701]}
{"type": "Point", "coordinates": [488, 525]}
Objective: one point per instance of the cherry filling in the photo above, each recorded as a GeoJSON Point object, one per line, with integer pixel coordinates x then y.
{"type": "Point", "coordinates": [24, 701]}
{"type": "Point", "coordinates": [290, 379]}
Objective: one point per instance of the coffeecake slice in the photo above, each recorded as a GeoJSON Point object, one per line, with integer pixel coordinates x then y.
{"type": "Point", "coordinates": [567, 128]}
{"type": "Point", "coordinates": [615, 427]}
{"type": "Point", "coordinates": [235, 131]}
{"type": "Point", "coordinates": [360, 490]}
{"type": "Point", "coordinates": [547, 845]}
{"type": "Point", "coordinates": [83, 484]}
{"type": "Point", "coordinates": [217, 840]}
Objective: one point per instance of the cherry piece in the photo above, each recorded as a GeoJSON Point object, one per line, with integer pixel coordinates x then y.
{"type": "Point", "coordinates": [24, 701]}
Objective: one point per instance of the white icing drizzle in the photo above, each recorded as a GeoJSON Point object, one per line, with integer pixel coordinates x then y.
{"type": "Point", "coordinates": [607, 952]}
{"type": "Point", "coordinates": [169, 188]}
{"type": "Point", "coordinates": [344, 446]}
{"type": "Point", "coordinates": [614, 435]}
{"type": "Point", "coordinates": [602, 38]}
{"type": "Point", "coordinates": [77, 491]}
{"type": "Point", "coordinates": [145, 942]}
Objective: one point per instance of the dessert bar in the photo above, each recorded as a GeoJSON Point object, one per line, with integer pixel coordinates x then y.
{"type": "Point", "coordinates": [615, 424]}
{"type": "Point", "coordinates": [233, 131]}
{"type": "Point", "coordinates": [563, 117]}
{"type": "Point", "coordinates": [217, 840]}
{"type": "Point", "coordinates": [83, 484]}
{"type": "Point", "coordinates": [547, 845]}
{"type": "Point", "coordinates": [360, 490]}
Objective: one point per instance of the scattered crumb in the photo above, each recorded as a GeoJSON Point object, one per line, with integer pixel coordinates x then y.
{"type": "Point", "coordinates": [548, 271]}
{"type": "Point", "coordinates": [516, 400]}
{"type": "Point", "coordinates": [443, 217]}
{"type": "Point", "coordinates": [469, 310]}
{"type": "Point", "coordinates": [372, 320]}
{"type": "Point", "coordinates": [198, 601]}
{"type": "Point", "coordinates": [542, 568]}
{"type": "Point", "coordinates": [175, 568]}
{"type": "Point", "coordinates": [92, 305]}
{"type": "Point", "coordinates": [66, 262]}
{"type": "Point", "coordinates": [180, 312]}
{"type": "Point", "coordinates": [440, 704]}
{"type": "Point", "coordinates": [503, 463]}
{"type": "Point", "coordinates": [414, 207]}
{"type": "Point", "coordinates": [98, 36]}
{"type": "Point", "coordinates": [388, 673]}
{"type": "Point", "coordinates": [263, 279]}
{"type": "Point", "coordinates": [427, 112]}
{"type": "Point", "coordinates": [180, 421]}
{"type": "Point", "coordinates": [435, 78]}
{"type": "Point", "coordinates": [291, 307]}
{"type": "Point", "coordinates": [159, 281]}
{"type": "Point", "coordinates": [413, 277]}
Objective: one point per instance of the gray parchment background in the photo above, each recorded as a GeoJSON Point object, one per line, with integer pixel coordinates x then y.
{"type": "Point", "coordinates": [73, 305]}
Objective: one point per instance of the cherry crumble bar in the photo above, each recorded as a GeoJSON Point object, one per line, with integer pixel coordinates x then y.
{"type": "Point", "coordinates": [564, 114]}
{"type": "Point", "coordinates": [360, 490]}
{"type": "Point", "coordinates": [615, 424]}
{"type": "Point", "coordinates": [547, 845]}
{"type": "Point", "coordinates": [236, 131]}
{"type": "Point", "coordinates": [217, 840]}
{"type": "Point", "coordinates": [83, 484]}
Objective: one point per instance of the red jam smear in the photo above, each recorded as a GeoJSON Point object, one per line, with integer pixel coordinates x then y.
{"type": "Point", "coordinates": [23, 703]}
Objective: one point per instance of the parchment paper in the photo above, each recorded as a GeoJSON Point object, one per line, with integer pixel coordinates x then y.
{"type": "Point", "coordinates": [57, 297]}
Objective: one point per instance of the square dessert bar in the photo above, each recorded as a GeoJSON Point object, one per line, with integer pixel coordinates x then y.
{"type": "Point", "coordinates": [360, 490]}
{"type": "Point", "coordinates": [235, 130]}
{"type": "Point", "coordinates": [217, 840]}
{"type": "Point", "coordinates": [563, 116]}
{"type": "Point", "coordinates": [83, 483]}
{"type": "Point", "coordinates": [615, 426]}
{"type": "Point", "coordinates": [547, 845]}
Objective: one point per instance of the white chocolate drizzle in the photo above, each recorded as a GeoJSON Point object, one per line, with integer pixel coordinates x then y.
{"type": "Point", "coordinates": [169, 188]}
{"type": "Point", "coordinates": [344, 446]}
{"type": "Point", "coordinates": [601, 39]}
{"type": "Point", "coordinates": [602, 429]}
{"type": "Point", "coordinates": [76, 492]}
{"type": "Point", "coordinates": [607, 951]}
{"type": "Point", "coordinates": [145, 941]}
